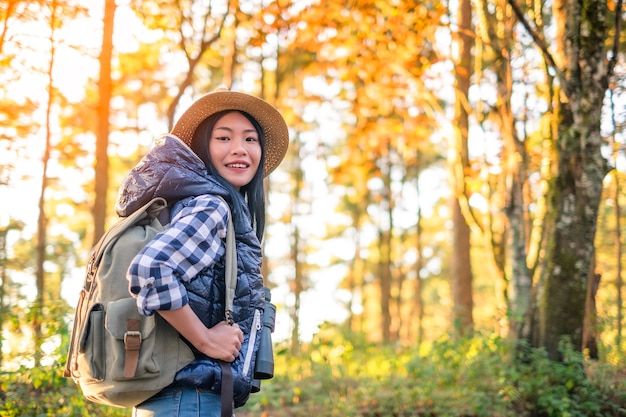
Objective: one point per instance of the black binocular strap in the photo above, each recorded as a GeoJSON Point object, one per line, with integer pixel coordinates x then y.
{"type": "Point", "coordinates": [227, 393]}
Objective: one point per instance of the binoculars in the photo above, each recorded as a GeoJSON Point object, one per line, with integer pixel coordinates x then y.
{"type": "Point", "coordinates": [264, 367]}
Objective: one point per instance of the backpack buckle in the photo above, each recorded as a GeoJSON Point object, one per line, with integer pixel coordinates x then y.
{"type": "Point", "coordinates": [132, 340]}
{"type": "Point", "coordinates": [132, 344]}
{"type": "Point", "coordinates": [229, 317]}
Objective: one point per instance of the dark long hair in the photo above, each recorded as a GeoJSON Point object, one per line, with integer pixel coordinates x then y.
{"type": "Point", "coordinates": [253, 193]}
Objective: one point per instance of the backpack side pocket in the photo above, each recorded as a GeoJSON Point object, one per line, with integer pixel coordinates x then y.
{"type": "Point", "coordinates": [90, 356]}
{"type": "Point", "coordinates": [96, 319]}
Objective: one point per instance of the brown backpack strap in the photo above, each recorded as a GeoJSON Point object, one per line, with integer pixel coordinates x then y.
{"type": "Point", "coordinates": [132, 344]}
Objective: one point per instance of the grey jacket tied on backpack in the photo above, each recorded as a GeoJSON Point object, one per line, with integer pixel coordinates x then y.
{"type": "Point", "coordinates": [173, 171]}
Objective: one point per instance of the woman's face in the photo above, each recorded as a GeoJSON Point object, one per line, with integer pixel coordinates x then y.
{"type": "Point", "coordinates": [235, 149]}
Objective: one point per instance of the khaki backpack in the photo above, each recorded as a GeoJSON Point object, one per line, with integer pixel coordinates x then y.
{"type": "Point", "coordinates": [117, 356]}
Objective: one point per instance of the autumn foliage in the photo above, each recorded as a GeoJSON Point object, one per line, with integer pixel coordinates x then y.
{"type": "Point", "coordinates": [445, 234]}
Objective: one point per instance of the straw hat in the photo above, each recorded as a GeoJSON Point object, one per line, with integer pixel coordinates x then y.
{"type": "Point", "coordinates": [270, 120]}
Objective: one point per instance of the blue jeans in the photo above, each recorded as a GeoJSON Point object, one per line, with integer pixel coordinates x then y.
{"type": "Point", "coordinates": [180, 402]}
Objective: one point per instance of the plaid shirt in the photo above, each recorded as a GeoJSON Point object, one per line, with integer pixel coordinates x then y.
{"type": "Point", "coordinates": [193, 241]}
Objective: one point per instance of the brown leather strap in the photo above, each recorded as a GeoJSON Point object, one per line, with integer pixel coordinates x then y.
{"type": "Point", "coordinates": [227, 389]}
{"type": "Point", "coordinates": [132, 344]}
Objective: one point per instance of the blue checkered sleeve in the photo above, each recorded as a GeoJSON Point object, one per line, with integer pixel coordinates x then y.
{"type": "Point", "coordinates": [193, 241]}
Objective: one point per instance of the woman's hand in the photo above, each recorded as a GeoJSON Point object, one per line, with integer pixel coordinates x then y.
{"type": "Point", "coordinates": [221, 342]}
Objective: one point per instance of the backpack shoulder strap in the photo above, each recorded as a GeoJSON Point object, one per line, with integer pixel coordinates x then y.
{"type": "Point", "coordinates": [144, 214]}
{"type": "Point", "coordinates": [230, 275]}
{"type": "Point", "coordinates": [230, 262]}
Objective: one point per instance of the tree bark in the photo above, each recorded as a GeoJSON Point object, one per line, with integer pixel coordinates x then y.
{"type": "Point", "coordinates": [590, 341]}
{"type": "Point", "coordinates": [102, 133]}
{"type": "Point", "coordinates": [385, 233]}
{"type": "Point", "coordinates": [460, 263]}
{"type": "Point", "coordinates": [298, 284]}
{"type": "Point", "coordinates": [576, 187]}
{"type": "Point", "coordinates": [418, 299]}
{"type": "Point", "coordinates": [514, 236]}
{"type": "Point", "coordinates": [42, 220]}
{"type": "Point", "coordinates": [618, 256]}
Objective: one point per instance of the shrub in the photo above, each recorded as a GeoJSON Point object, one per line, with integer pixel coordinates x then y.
{"type": "Point", "coordinates": [43, 391]}
{"type": "Point", "coordinates": [340, 374]}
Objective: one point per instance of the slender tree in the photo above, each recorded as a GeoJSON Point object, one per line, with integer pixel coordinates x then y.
{"type": "Point", "coordinates": [619, 249]}
{"type": "Point", "coordinates": [385, 238]}
{"type": "Point", "coordinates": [42, 222]}
{"type": "Point", "coordinates": [508, 227]}
{"type": "Point", "coordinates": [5, 281]}
{"type": "Point", "coordinates": [619, 284]}
{"type": "Point", "coordinates": [298, 282]}
{"type": "Point", "coordinates": [102, 133]}
{"type": "Point", "coordinates": [617, 198]}
{"type": "Point", "coordinates": [418, 297]}
{"type": "Point", "coordinates": [460, 263]}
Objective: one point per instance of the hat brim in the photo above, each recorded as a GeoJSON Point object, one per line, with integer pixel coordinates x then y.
{"type": "Point", "coordinates": [271, 121]}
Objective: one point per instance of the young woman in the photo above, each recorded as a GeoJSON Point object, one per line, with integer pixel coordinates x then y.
{"type": "Point", "coordinates": [212, 165]}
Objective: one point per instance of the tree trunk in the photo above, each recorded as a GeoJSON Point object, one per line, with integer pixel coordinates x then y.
{"type": "Point", "coordinates": [514, 236]}
{"type": "Point", "coordinates": [590, 341]}
{"type": "Point", "coordinates": [4, 283]}
{"type": "Point", "coordinates": [385, 238]}
{"type": "Point", "coordinates": [42, 221]}
{"type": "Point", "coordinates": [355, 274]}
{"type": "Point", "coordinates": [618, 256]}
{"type": "Point", "coordinates": [460, 263]}
{"type": "Point", "coordinates": [298, 289]}
{"type": "Point", "coordinates": [418, 300]}
{"type": "Point", "coordinates": [576, 186]}
{"type": "Point", "coordinates": [298, 280]}
{"type": "Point", "coordinates": [384, 277]}
{"type": "Point", "coordinates": [102, 134]}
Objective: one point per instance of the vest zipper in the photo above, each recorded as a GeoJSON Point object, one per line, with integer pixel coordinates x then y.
{"type": "Point", "coordinates": [256, 326]}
